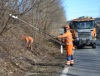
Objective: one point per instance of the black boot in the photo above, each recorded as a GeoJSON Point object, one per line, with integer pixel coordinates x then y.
{"type": "Point", "coordinates": [71, 64]}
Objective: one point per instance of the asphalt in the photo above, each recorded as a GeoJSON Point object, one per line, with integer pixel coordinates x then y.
{"type": "Point", "coordinates": [87, 62]}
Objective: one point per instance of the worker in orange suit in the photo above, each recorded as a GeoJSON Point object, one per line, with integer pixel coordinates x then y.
{"type": "Point", "coordinates": [94, 33]}
{"type": "Point", "coordinates": [29, 41]}
{"type": "Point", "coordinates": [69, 45]}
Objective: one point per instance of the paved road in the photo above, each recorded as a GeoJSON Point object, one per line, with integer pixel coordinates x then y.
{"type": "Point", "coordinates": [87, 63]}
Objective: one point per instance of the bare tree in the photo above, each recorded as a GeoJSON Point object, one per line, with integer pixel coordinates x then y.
{"type": "Point", "coordinates": [47, 15]}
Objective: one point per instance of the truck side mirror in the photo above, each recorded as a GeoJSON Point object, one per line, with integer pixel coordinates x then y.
{"type": "Point", "coordinates": [71, 26]}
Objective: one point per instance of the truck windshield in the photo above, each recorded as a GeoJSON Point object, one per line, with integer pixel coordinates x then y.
{"type": "Point", "coordinates": [83, 25]}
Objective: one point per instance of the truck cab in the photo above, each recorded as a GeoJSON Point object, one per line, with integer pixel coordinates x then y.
{"type": "Point", "coordinates": [84, 31]}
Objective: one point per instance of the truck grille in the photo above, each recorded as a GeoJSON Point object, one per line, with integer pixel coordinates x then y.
{"type": "Point", "coordinates": [84, 35]}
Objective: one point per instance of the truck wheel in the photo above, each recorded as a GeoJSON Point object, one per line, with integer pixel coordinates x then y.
{"type": "Point", "coordinates": [94, 46]}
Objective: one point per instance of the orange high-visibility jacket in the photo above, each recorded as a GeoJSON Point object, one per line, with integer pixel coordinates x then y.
{"type": "Point", "coordinates": [28, 39]}
{"type": "Point", "coordinates": [68, 38]}
{"type": "Point", "coordinates": [94, 32]}
{"type": "Point", "coordinates": [68, 42]}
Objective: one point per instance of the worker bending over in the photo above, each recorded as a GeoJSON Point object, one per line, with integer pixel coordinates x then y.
{"type": "Point", "coordinates": [69, 45]}
{"type": "Point", "coordinates": [29, 41]}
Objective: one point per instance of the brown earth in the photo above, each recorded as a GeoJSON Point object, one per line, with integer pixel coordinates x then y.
{"type": "Point", "coordinates": [16, 60]}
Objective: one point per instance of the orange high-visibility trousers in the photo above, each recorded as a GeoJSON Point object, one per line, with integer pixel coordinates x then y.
{"type": "Point", "coordinates": [69, 50]}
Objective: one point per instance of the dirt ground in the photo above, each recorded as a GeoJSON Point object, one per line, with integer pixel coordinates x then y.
{"type": "Point", "coordinates": [16, 60]}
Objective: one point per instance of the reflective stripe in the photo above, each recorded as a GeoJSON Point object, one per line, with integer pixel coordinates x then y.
{"type": "Point", "coordinates": [69, 43]}
{"type": "Point", "coordinates": [68, 62]}
{"type": "Point", "coordinates": [72, 61]}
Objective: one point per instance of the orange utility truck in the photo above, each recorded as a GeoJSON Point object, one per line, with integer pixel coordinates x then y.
{"type": "Point", "coordinates": [84, 31]}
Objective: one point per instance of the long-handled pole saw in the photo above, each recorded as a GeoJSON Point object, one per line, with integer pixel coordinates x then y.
{"type": "Point", "coordinates": [16, 17]}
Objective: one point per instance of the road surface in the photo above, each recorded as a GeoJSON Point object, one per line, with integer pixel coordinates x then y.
{"type": "Point", "coordinates": [87, 63]}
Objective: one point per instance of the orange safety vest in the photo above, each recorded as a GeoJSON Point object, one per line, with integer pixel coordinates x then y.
{"type": "Point", "coordinates": [68, 38]}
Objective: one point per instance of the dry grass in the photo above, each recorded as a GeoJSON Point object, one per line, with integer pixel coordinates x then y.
{"type": "Point", "coordinates": [17, 60]}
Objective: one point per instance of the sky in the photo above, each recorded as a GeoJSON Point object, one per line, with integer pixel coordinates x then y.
{"type": "Point", "coordinates": [77, 8]}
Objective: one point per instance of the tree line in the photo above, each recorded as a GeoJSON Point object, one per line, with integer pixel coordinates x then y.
{"type": "Point", "coordinates": [47, 15]}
